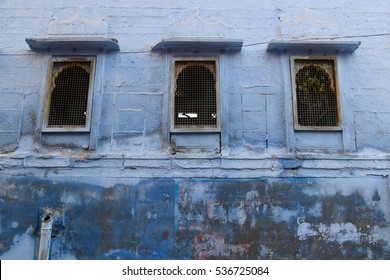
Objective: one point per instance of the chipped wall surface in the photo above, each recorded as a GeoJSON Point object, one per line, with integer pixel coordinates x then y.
{"type": "Point", "coordinates": [311, 218]}
{"type": "Point", "coordinates": [257, 190]}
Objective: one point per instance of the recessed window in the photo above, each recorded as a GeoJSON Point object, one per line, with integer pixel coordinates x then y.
{"type": "Point", "coordinates": [315, 94]}
{"type": "Point", "coordinates": [69, 95]}
{"type": "Point", "coordinates": [195, 96]}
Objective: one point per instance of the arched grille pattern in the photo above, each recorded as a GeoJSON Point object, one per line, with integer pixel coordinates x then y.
{"type": "Point", "coordinates": [316, 94]}
{"type": "Point", "coordinates": [69, 95]}
{"type": "Point", "coordinates": [195, 95]}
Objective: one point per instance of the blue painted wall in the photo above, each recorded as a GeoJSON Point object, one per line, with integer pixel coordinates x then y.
{"type": "Point", "coordinates": [122, 190]}
{"type": "Point", "coordinates": [311, 218]}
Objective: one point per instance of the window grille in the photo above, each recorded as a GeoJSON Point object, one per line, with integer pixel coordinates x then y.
{"type": "Point", "coordinates": [69, 96]}
{"type": "Point", "coordinates": [195, 95]}
{"type": "Point", "coordinates": [316, 101]}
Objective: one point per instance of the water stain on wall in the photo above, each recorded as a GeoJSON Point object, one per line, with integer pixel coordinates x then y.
{"type": "Point", "coordinates": [199, 218]}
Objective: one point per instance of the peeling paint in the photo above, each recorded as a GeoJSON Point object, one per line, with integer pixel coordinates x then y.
{"type": "Point", "coordinates": [227, 218]}
{"type": "Point", "coordinates": [381, 235]}
{"type": "Point", "coordinates": [214, 247]}
{"type": "Point", "coordinates": [238, 213]}
{"type": "Point", "coordinates": [22, 247]}
{"type": "Point", "coordinates": [333, 232]}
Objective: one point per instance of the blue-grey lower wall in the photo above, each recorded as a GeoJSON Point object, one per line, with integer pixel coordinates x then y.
{"type": "Point", "coordinates": [117, 218]}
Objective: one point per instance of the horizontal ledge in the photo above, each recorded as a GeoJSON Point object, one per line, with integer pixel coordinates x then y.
{"type": "Point", "coordinates": [73, 44]}
{"type": "Point", "coordinates": [198, 44]}
{"type": "Point", "coordinates": [313, 46]}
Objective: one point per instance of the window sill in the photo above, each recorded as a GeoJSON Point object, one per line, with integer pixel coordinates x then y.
{"type": "Point", "coordinates": [66, 130]}
{"type": "Point", "coordinates": [198, 44]}
{"type": "Point", "coordinates": [318, 128]}
{"type": "Point", "coordinates": [195, 130]}
{"type": "Point", "coordinates": [312, 46]}
{"type": "Point", "coordinates": [73, 45]}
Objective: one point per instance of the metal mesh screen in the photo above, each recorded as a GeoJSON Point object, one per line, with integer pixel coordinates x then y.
{"type": "Point", "coordinates": [316, 96]}
{"type": "Point", "coordinates": [195, 100]}
{"type": "Point", "coordinates": [69, 94]}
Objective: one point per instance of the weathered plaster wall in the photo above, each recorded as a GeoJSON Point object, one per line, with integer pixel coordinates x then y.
{"type": "Point", "coordinates": [107, 218]}
{"type": "Point", "coordinates": [133, 84]}
{"type": "Point", "coordinates": [125, 195]}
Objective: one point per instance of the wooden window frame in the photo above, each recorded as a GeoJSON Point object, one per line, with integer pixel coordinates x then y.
{"type": "Point", "coordinates": [172, 100]}
{"type": "Point", "coordinates": [50, 80]}
{"type": "Point", "coordinates": [298, 126]}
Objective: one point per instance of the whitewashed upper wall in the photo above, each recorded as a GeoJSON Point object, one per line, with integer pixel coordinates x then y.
{"type": "Point", "coordinates": [131, 113]}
